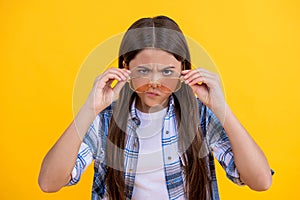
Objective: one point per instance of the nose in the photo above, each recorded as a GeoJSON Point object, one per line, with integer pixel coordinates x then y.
{"type": "Point", "coordinates": [155, 77]}
{"type": "Point", "coordinates": [154, 84]}
{"type": "Point", "coordinates": [154, 80]}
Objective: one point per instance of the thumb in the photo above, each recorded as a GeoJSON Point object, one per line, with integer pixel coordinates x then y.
{"type": "Point", "coordinates": [202, 93]}
{"type": "Point", "coordinates": [118, 87]}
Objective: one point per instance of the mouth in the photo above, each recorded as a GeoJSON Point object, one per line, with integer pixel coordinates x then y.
{"type": "Point", "coordinates": [151, 94]}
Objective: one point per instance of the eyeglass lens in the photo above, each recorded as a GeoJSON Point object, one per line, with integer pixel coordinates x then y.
{"type": "Point", "coordinates": [166, 78]}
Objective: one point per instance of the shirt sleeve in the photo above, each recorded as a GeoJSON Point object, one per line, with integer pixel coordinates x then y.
{"type": "Point", "coordinates": [84, 159]}
{"type": "Point", "coordinates": [86, 153]}
{"type": "Point", "coordinates": [219, 143]}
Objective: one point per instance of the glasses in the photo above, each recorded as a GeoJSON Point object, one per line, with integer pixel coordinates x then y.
{"type": "Point", "coordinates": [165, 78]}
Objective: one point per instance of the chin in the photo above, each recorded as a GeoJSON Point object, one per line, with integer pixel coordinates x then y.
{"type": "Point", "coordinates": [152, 102]}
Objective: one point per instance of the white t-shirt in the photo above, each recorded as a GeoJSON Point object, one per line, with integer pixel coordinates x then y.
{"type": "Point", "coordinates": [150, 182]}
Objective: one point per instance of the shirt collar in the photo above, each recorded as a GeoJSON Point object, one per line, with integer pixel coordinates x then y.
{"type": "Point", "coordinates": [133, 114]}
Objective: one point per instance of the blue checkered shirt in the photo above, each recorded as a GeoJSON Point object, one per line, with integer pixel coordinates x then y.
{"type": "Point", "coordinates": [94, 143]}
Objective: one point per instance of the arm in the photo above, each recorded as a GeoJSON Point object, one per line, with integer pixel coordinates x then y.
{"type": "Point", "coordinates": [248, 157]}
{"type": "Point", "coordinates": [59, 162]}
{"type": "Point", "coordinates": [250, 161]}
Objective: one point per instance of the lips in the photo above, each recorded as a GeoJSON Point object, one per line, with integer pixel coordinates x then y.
{"type": "Point", "coordinates": [151, 94]}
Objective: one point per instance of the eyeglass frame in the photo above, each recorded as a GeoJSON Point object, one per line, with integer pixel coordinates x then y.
{"type": "Point", "coordinates": [130, 78]}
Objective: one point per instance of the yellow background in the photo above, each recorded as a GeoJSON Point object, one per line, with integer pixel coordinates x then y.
{"type": "Point", "coordinates": [255, 45]}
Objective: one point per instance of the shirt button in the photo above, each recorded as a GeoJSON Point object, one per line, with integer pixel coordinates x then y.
{"type": "Point", "coordinates": [130, 170]}
{"type": "Point", "coordinates": [167, 132]}
{"type": "Point", "coordinates": [169, 157]}
{"type": "Point", "coordinates": [135, 144]}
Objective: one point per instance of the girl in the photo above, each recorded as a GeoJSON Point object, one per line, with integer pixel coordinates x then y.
{"type": "Point", "coordinates": [149, 136]}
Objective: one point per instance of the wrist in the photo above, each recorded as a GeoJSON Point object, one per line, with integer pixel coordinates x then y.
{"type": "Point", "coordinates": [84, 119]}
{"type": "Point", "coordinates": [88, 110]}
{"type": "Point", "coordinates": [221, 112]}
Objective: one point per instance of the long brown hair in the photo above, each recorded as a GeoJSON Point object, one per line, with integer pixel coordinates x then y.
{"type": "Point", "coordinates": [163, 33]}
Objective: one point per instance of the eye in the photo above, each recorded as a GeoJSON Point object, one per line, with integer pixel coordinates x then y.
{"type": "Point", "coordinates": [143, 71]}
{"type": "Point", "coordinates": [167, 72]}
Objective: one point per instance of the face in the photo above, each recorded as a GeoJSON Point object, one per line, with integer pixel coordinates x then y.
{"type": "Point", "coordinates": [161, 62]}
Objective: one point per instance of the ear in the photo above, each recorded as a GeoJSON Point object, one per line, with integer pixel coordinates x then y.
{"type": "Point", "coordinates": [124, 65]}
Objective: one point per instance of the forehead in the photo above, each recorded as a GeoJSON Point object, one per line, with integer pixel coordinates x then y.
{"type": "Point", "coordinates": [158, 56]}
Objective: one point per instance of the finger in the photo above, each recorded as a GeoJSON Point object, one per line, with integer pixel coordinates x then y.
{"type": "Point", "coordinates": [209, 74]}
{"type": "Point", "coordinates": [201, 71]}
{"type": "Point", "coordinates": [101, 84]}
{"type": "Point", "coordinates": [124, 71]}
{"type": "Point", "coordinates": [117, 73]}
{"type": "Point", "coordinates": [112, 76]}
{"type": "Point", "coordinates": [193, 77]}
{"type": "Point", "coordinates": [198, 81]}
{"type": "Point", "coordinates": [206, 71]}
{"type": "Point", "coordinates": [127, 71]}
{"type": "Point", "coordinates": [121, 73]}
{"type": "Point", "coordinates": [202, 89]}
{"type": "Point", "coordinates": [118, 87]}
{"type": "Point", "coordinates": [202, 92]}
{"type": "Point", "coordinates": [185, 71]}
{"type": "Point", "coordinates": [210, 82]}
{"type": "Point", "coordinates": [192, 73]}
{"type": "Point", "coordinates": [196, 74]}
{"type": "Point", "coordinates": [105, 80]}
{"type": "Point", "coordinates": [188, 73]}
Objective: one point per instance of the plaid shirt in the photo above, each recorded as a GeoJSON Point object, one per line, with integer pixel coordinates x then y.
{"type": "Point", "coordinates": [93, 148]}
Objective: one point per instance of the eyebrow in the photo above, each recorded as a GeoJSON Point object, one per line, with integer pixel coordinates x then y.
{"type": "Point", "coordinates": [167, 67]}
{"type": "Point", "coordinates": [142, 66]}
{"type": "Point", "coordinates": [159, 69]}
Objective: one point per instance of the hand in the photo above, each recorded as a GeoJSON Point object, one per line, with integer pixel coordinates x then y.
{"type": "Point", "coordinates": [103, 94]}
{"type": "Point", "coordinates": [206, 85]}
